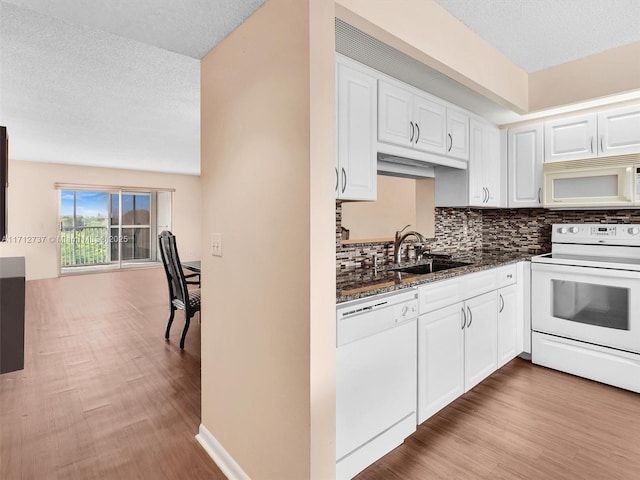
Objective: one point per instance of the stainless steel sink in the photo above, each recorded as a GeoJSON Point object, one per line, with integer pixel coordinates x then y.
{"type": "Point", "coordinates": [430, 267]}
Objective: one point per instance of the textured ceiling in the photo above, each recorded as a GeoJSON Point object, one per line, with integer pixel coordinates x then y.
{"type": "Point", "coordinates": [187, 27]}
{"type": "Point", "coordinates": [116, 83]}
{"type": "Point", "coordinates": [112, 83]}
{"type": "Point", "coordinates": [75, 95]}
{"type": "Point", "coordinates": [536, 34]}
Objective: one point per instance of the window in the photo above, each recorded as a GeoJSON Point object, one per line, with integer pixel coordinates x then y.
{"type": "Point", "coordinates": [112, 228]}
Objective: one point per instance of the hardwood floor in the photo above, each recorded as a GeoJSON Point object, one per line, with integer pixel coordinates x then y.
{"type": "Point", "coordinates": [102, 395]}
{"type": "Point", "coordinates": [524, 422]}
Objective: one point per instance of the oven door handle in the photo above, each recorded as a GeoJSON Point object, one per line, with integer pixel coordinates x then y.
{"type": "Point", "coordinates": [560, 270]}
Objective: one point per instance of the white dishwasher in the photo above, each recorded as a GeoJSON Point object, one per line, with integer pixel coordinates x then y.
{"type": "Point", "coordinates": [376, 378]}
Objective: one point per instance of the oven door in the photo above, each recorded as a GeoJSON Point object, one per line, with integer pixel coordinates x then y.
{"type": "Point", "coordinates": [595, 305]}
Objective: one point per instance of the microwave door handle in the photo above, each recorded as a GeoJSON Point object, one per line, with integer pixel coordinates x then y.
{"type": "Point", "coordinates": [628, 185]}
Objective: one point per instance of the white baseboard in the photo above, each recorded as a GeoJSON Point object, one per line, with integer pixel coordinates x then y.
{"type": "Point", "coordinates": [225, 462]}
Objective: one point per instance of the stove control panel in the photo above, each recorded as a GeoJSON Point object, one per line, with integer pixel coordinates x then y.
{"type": "Point", "coordinates": [596, 233]}
{"type": "Point", "coordinates": [605, 231]}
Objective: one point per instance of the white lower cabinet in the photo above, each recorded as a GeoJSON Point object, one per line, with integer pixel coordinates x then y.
{"type": "Point", "coordinates": [480, 339]}
{"type": "Point", "coordinates": [508, 331]}
{"type": "Point", "coordinates": [457, 349]}
{"type": "Point", "coordinates": [440, 359]}
{"type": "Point", "coordinates": [461, 344]}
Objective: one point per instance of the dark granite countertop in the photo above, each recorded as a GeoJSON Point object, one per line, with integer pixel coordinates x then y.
{"type": "Point", "coordinates": [357, 283]}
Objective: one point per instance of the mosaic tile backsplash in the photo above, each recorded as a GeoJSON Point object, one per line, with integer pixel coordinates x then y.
{"type": "Point", "coordinates": [464, 230]}
{"type": "Point", "coordinates": [529, 229]}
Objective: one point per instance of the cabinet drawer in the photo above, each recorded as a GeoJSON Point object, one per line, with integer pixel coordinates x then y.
{"type": "Point", "coordinates": [478, 283]}
{"type": "Point", "coordinates": [440, 294]}
{"type": "Point", "coordinates": [506, 275]}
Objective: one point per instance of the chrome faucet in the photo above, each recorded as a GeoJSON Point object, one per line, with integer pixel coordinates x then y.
{"type": "Point", "coordinates": [400, 238]}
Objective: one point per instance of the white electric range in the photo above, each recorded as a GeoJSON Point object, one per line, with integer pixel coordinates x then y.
{"type": "Point", "coordinates": [585, 297]}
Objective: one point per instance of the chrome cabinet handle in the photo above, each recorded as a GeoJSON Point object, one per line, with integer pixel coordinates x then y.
{"type": "Point", "coordinates": [540, 195]}
{"type": "Point", "coordinates": [418, 135]}
{"type": "Point", "coordinates": [501, 303]}
{"type": "Point", "coordinates": [464, 318]}
{"type": "Point", "coordinates": [470, 317]}
{"type": "Point", "coordinates": [591, 144]}
{"type": "Point", "coordinates": [488, 194]}
{"type": "Point", "coordinates": [450, 142]}
{"type": "Point", "coordinates": [337, 177]}
{"type": "Point", "coordinates": [344, 179]}
{"type": "Point", "coordinates": [602, 143]}
{"type": "Point", "coordinates": [412, 131]}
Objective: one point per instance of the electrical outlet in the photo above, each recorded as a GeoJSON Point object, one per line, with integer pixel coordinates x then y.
{"type": "Point", "coordinates": [216, 244]}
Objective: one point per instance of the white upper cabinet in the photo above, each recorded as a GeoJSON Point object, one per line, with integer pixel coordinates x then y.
{"type": "Point", "coordinates": [608, 132]}
{"type": "Point", "coordinates": [458, 134]}
{"type": "Point", "coordinates": [619, 131]}
{"type": "Point", "coordinates": [395, 121]}
{"type": "Point", "coordinates": [480, 185]}
{"type": "Point", "coordinates": [484, 165]}
{"type": "Point", "coordinates": [430, 125]}
{"type": "Point", "coordinates": [420, 124]}
{"type": "Point", "coordinates": [570, 138]}
{"type": "Point", "coordinates": [410, 120]}
{"type": "Point", "coordinates": [477, 188]}
{"type": "Point", "coordinates": [356, 115]}
{"type": "Point", "coordinates": [525, 158]}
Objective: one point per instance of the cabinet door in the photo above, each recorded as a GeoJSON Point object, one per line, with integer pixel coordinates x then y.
{"type": "Point", "coordinates": [481, 338]}
{"type": "Point", "coordinates": [507, 324]}
{"type": "Point", "coordinates": [395, 115]}
{"type": "Point", "coordinates": [440, 359]}
{"type": "Point", "coordinates": [357, 113]}
{"type": "Point", "coordinates": [458, 135]}
{"type": "Point", "coordinates": [524, 157]}
{"type": "Point", "coordinates": [430, 119]}
{"type": "Point", "coordinates": [475, 170]}
{"type": "Point", "coordinates": [492, 166]}
{"type": "Point", "coordinates": [570, 138]}
{"type": "Point", "coordinates": [619, 131]}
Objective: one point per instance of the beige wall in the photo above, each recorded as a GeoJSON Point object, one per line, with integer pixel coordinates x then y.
{"type": "Point", "coordinates": [33, 205]}
{"type": "Point", "coordinates": [400, 201]}
{"type": "Point", "coordinates": [268, 318]}
{"type": "Point", "coordinates": [604, 74]}
{"type": "Point", "coordinates": [425, 31]}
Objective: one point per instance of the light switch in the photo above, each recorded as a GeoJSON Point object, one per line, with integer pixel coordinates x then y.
{"type": "Point", "coordinates": [216, 244]}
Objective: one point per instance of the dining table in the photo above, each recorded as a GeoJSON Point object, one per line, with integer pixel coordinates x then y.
{"type": "Point", "coordinates": [192, 265]}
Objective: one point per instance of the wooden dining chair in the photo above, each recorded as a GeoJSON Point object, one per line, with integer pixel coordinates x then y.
{"type": "Point", "coordinates": [180, 297]}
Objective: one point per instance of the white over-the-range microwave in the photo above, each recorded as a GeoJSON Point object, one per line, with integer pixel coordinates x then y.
{"type": "Point", "coordinates": [603, 182]}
